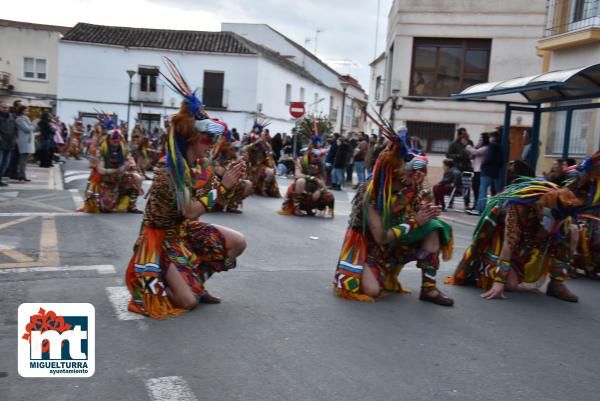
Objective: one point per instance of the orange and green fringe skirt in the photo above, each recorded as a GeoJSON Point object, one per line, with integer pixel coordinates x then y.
{"type": "Point", "coordinates": [196, 249]}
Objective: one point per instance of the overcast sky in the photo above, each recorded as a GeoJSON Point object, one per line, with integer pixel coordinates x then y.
{"type": "Point", "coordinates": [347, 40]}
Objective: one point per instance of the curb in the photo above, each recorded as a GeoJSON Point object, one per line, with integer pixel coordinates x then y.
{"type": "Point", "coordinates": [55, 178]}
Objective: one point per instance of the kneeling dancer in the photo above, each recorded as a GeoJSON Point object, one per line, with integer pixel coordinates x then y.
{"type": "Point", "coordinates": [176, 253]}
{"type": "Point", "coordinates": [392, 224]}
{"type": "Point", "coordinates": [308, 193]}
{"type": "Point", "coordinates": [523, 235]}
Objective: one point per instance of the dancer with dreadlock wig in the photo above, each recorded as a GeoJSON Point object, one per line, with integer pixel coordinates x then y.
{"type": "Point", "coordinates": [224, 156]}
{"type": "Point", "coordinates": [261, 163]}
{"type": "Point", "coordinates": [523, 234]}
{"type": "Point", "coordinates": [308, 193]}
{"type": "Point", "coordinates": [113, 185]}
{"type": "Point", "coordinates": [175, 253]}
{"type": "Point", "coordinates": [584, 179]}
{"type": "Point", "coordinates": [74, 142]}
{"type": "Point", "coordinates": [391, 224]}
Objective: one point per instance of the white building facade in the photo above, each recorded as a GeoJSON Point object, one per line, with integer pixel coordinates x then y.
{"type": "Point", "coordinates": [355, 97]}
{"type": "Point", "coordinates": [435, 49]}
{"type": "Point", "coordinates": [236, 78]}
{"type": "Point", "coordinates": [29, 63]}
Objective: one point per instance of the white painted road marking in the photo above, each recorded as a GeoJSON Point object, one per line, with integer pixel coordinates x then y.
{"type": "Point", "coordinates": [41, 214]}
{"type": "Point", "coordinates": [119, 298]}
{"type": "Point", "coordinates": [169, 388]}
{"type": "Point", "coordinates": [74, 172]}
{"type": "Point", "coordinates": [76, 177]}
{"type": "Point", "coordinates": [77, 199]}
{"type": "Point", "coordinates": [101, 269]}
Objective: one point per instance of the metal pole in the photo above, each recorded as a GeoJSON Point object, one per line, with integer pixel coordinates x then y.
{"type": "Point", "coordinates": [505, 141]}
{"type": "Point", "coordinates": [128, 110]}
{"type": "Point", "coordinates": [535, 139]}
{"type": "Point", "coordinates": [393, 111]}
{"type": "Point", "coordinates": [343, 107]}
{"type": "Point", "coordinates": [567, 138]}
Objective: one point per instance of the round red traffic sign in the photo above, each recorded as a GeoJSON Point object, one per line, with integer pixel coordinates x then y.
{"type": "Point", "coordinates": [297, 109]}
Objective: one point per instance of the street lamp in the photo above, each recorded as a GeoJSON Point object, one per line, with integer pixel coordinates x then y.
{"type": "Point", "coordinates": [344, 85]}
{"type": "Point", "coordinates": [131, 73]}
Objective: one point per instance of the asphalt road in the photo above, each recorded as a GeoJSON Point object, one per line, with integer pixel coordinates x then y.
{"type": "Point", "coordinates": [280, 334]}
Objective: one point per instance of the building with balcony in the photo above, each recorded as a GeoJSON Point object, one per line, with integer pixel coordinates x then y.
{"type": "Point", "coordinates": [235, 77]}
{"type": "Point", "coordinates": [28, 63]}
{"type": "Point", "coordinates": [435, 49]}
{"type": "Point", "coordinates": [571, 39]}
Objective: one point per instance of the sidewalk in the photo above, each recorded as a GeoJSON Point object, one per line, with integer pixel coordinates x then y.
{"type": "Point", "coordinates": [41, 178]}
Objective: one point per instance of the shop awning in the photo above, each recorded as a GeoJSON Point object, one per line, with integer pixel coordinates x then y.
{"type": "Point", "coordinates": [555, 86]}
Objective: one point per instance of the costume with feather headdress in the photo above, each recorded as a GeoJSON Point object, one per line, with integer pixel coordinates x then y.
{"type": "Point", "coordinates": [584, 180]}
{"type": "Point", "coordinates": [261, 162]}
{"type": "Point", "coordinates": [224, 155]}
{"type": "Point", "coordinates": [169, 240]}
{"type": "Point", "coordinates": [308, 193]}
{"type": "Point", "coordinates": [395, 193]}
{"type": "Point", "coordinates": [531, 217]}
{"type": "Point", "coordinates": [116, 189]}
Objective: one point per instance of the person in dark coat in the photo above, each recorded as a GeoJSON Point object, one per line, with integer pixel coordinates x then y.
{"type": "Point", "coordinates": [458, 153]}
{"type": "Point", "coordinates": [340, 162]}
{"type": "Point", "coordinates": [8, 138]}
{"type": "Point", "coordinates": [490, 172]}
{"type": "Point", "coordinates": [46, 141]}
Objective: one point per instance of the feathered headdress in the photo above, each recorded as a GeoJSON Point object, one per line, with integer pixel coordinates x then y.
{"type": "Point", "coordinates": [260, 123]}
{"type": "Point", "coordinates": [397, 154]}
{"type": "Point", "coordinates": [106, 119]}
{"type": "Point", "coordinates": [190, 120]}
{"type": "Point", "coordinates": [527, 191]}
{"type": "Point", "coordinates": [178, 85]}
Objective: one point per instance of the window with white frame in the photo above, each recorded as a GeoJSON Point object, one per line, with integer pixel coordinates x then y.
{"type": "Point", "coordinates": [35, 68]}
{"type": "Point", "coordinates": [288, 93]}
{"type": "Point", "coordinates": [302, 94]}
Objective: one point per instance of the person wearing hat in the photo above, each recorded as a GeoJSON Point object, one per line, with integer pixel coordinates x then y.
{"type": "Point", "coordinates": [225, 155]}
{"type": "Point", "coordinates": [261, 163]}
{"type": "Point", "coordinates": [393, 222]}
{"type": "Point", "coordinates": [176, 253]}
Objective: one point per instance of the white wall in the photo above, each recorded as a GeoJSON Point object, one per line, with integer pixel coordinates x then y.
{"type": "Point", "coordinates": [98, 74]}
{"type": "Point", "coordinates": [580, 56]}
{"type": "Point", "coordinates": [272, 81]}
{"type": "Point", "coordinates": [266, 36]}
{"type": "Point", "coordinates": [17, 43]}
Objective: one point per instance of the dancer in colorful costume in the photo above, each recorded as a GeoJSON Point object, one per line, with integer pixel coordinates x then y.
{"type": "Point", "coordinates": [308, 193]}
{"type": "Point", "coordinates": [523, 235]}
{"type": "Point", "coordinates": [261, 164]}
{"type": "Point", "coordinates": [392, 223]}
{"type": "Point", "coordinates": [224, 156]}
{"type": "Point", "coordinates": [584, 180]}
{"type": "Point", "coordinates": [175, 253]}
{"type": "Point", "coordinates": [113, 185]}
{"type": "Point", "coordinates": [74, 143]}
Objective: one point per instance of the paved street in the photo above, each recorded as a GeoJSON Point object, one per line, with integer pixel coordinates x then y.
{"type": "Point", "coordinates": [280, 334]}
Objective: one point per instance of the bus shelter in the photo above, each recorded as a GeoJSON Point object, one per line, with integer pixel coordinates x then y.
{"type": "Point", "coordinates": [549, 92]}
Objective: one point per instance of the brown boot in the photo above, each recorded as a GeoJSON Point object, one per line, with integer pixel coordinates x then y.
{"type": "Point", "coordinates": [435, 296]}
{"type": "Point", "coordinates": [558, 289]}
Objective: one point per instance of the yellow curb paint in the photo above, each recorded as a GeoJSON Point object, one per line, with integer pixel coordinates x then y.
{"type": "Point", "coordinates": [49, 243]}
{"type": "Point", "coordinates": [17, 221]}
{"type": "Point", "coordinates": [16, 255]}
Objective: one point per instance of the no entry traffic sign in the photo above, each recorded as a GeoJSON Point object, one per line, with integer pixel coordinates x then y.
{"type": "Point", "coordinates": [297, 109]}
